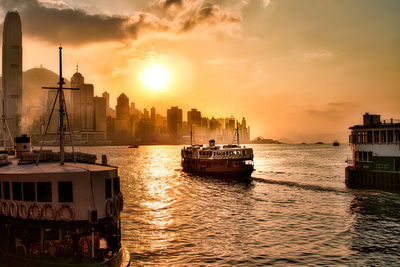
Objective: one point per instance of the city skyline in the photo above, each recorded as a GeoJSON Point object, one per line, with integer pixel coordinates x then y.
{"type": "Point", "coordinates": [299, 70]}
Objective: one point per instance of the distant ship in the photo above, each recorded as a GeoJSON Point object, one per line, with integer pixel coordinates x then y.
{"type": "Point", "coordinates": [376, 154]}
{"type": "Point", "coordinates": [227, 160]}
{"type": "Point", "coordinates": [58, 208]}
{"type": "Point", "coordinates": [335, 143]}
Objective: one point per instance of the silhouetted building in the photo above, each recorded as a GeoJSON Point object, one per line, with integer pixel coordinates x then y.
{"type": "Point", "coordinates": [194, 117]}
{"type": "Point", "coordinates": [82, 101]}
{"type": "Point", "coordinates": [12, 71]}
{"type": "Point", "coordinates": [174, 123]}
{"type": "Point", "coordinates": [123, 110]}
{"type": "Point", "coordinates": [123, 127]}
{"type": "Point", "coordinates": [100, 114]}
{"type": "Point", "coordinates": [146, 114]}
{"type": "Point", "coordinates": [153, 115]}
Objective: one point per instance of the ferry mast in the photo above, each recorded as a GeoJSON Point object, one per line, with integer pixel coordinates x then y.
{"type": "Point", "coordinates": [63, 112]}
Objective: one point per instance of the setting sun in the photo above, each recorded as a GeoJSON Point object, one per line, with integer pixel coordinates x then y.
{"type": "Point", "coordinates": [155, 77]}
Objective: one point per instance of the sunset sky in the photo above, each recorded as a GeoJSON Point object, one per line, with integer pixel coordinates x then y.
{"type": "Point", "coordinates": [300, 69]}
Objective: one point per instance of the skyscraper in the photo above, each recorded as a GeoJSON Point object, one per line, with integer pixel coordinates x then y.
{"type": "Point", "coordinates": [174, 123]}
{"type": "Point", "coordinates": [194, 117]}
{"type": "Point", "coordinates": [12, 71]}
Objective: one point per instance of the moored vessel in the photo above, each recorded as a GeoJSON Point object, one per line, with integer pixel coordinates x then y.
{"type": "Point", "coordinates": [224, 160]}
{"type": "Point", "coordinates": [58, 208]}
{"type": "Point", "coordinates": [376, 154]}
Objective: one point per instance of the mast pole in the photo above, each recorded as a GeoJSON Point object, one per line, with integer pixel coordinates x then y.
{"type": "Point", "coordinates": [237, 132]}
{"type": "Point", "coordinates": [61, 101]}
{"type": "Point", "coordinates": [191, 135]}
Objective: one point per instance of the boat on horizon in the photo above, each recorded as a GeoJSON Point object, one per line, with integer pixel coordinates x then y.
{"type": "Point", "coordinates": [336, 143]}
{"type": "Point", "coordinates": [59, 208]}
{"type": "Point", "coordinates": [213, 160]}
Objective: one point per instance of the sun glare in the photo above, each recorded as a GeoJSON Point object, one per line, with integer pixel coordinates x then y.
{"type": "Point", "coordinates": [155, 77]}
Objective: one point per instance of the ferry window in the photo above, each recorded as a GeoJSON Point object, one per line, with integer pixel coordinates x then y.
{"type": "Point", "coordinates": [17, 190]}
{"type": "Point", "coordinates": [65, 192]}
{"type": "Point", "coordinates": [44, 192]}
{"type": "Point", "coordinates": [363, 137]}
{"type": "Point", "coordinates": [383, 136]}
{"type": "Point", "coordinates": [376, 136]}
{"type": "Point", "coordinates": [365, 156]}
{"type": "Point", "coordinates": [108, 188]}
{"type": "Point", "coordinates": [29, 191]}
{"type": "Point", "coordinates": [369, 137]}
{"type": "Point", "coordinates": [358, 136]}
{"type": "Point", "coordinates": [370, 156]}
{"type": "Point", "coordinates": [6, 190]}
{"type": "Point", "coordinates": [390, 136]}
{"type": "Point", "coordinates": [116, 185]}
{"type": "Point", "coordinates": [397, 135]}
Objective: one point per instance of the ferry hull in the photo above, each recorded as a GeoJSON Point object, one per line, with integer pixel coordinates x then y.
{"type": "Point", "coordinates": [359, 178]}
{"type": "Point", "coordinates": [121, 259]}
{"type": "Point", "coordinates": [232, 174]}
{"type": "Point", "coordinates": [224, 171]}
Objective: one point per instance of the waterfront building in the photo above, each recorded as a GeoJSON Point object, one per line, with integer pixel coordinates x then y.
{"type": "Point", "coordinates": [100, 114]}
{"type": "Point", "coordinates": [122, 108]}
{"type": "Point", "coordinates": [153, 115]}
{"type": "Point", "coordinates": [174, 123]}
{"type": "Point", "coordinates": [110, 112]}
{"type": "Point", "coordinates": [146, 114]}
{"type": "Point", "coordinates": [12, 72]}
{"type": "Point", "coordinates": [194, 117]}
{"type": "Point", "coordinates": [82, 101]}
{"type": "Point", "coordinates": [123, 127]}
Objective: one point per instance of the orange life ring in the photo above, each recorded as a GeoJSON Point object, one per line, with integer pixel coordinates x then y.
{"type": "Point", "coordinates": [23, 210]}
{"type": "Point", "coordinates": [66, 212]}
{"type": "Point", "coordinates": [5, 208]}
{"type": "Point", "coordinates": [48, 212]}
{"type": "Point", "coordinates": [13, 209]}
{"type": "Point", "coordinates": [35, 211]}
{"type": "Point", "coordinates": [109, 208]}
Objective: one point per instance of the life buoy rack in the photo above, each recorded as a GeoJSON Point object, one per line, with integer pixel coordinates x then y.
{"type": "Point", "coordinates": [109, 208]}
{"type": "Point", "coordinates": [13, 209]}
{"type": "Point", "coordinates": [23, 210]}
{"type": "Point", "coordinates": [66, 212]}
{"type": "Point", "coordinates": [35, 211]}
{"type": "Point", "coordinates": [49, 212]}
{"type": "Point", "coordinates": [5, 208]}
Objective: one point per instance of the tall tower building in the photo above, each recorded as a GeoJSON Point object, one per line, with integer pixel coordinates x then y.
{"type": "Point", "coordinates": [174, 123]}
{"type": "Point", "coordinates": [12, 72]}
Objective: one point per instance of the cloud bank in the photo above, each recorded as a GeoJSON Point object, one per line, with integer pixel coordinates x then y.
{"type": "Point", "coordinates": [56, 22]}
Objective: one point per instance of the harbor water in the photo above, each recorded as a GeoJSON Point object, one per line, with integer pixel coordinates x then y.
{"type": "Point", "coordinates": [295, 210]}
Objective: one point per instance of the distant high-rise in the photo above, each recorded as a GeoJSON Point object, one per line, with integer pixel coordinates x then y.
{"type": "Point", "coordinates": [82, 104]}
{"type": "Point", "coordinates": [153, 115]}
{"type": "Point", "coordinates": [123, 110]}
{"type": "Point", "coordinates": [12, 71]}
{"type": "Point", "coordinates": [174, 123]}
{"type": "Point", "coordinates": [107, 97]}
{"type": "Point", "coordinates": [194, 117]}
{"type": "Point", "coordinates": [146, 114]}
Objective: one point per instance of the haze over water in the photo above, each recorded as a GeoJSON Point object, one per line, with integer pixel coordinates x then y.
{"type": "Point", "coordinates": [296, 210]}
